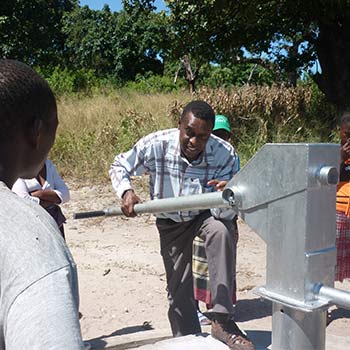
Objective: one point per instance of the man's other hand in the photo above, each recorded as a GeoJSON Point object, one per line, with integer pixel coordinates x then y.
{"type": "Point", "coordinates": [217, 184]}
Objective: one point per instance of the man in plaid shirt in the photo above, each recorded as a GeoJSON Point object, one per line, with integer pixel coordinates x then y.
{"type": "Point", "coordinates": [185, 161]}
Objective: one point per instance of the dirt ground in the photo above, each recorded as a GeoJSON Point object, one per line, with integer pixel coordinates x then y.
{"type": "Point", "coordinates": [121, 276]}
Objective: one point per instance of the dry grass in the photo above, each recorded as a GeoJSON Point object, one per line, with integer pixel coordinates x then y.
{"type": "Point", "coordinates": [94, 129]}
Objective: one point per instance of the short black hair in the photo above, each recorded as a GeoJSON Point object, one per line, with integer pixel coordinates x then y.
{"type": "Point", "coordinates": [345, 120]}
{"type": "Point", "coordinates": [24, 96]}
{"type": "Point", "coordinates": [199, 109]}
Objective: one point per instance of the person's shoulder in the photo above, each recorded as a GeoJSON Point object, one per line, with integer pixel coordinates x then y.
{"type": "Point", "coordinates": [167, 135]}
{"type": "Point", "coordinates": [49, 163]}
{"type": "Point", "coordinates": [26, 227]}
{"type": "Point", "coordinates": [31, 247]}
{"type": "Point", "coordinates": [219, 145]}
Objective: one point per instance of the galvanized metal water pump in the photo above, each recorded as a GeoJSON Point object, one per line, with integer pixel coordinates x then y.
{"type": "Point", "coordinates": [286, 193]}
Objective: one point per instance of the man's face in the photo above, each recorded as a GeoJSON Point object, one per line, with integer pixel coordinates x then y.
{"type": "Point", "coordinates": [344, 134]}
{"type": "Point", "coordinates": [194, 135]}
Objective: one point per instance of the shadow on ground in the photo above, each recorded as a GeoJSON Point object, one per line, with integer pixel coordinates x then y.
{"type": "Point", "coordinates": [252, 309]}
{"type": "Point", "coordinates": [261, 339]}
{"type": "Point", "coordinates": [246, 310]}
{"type": "Point", "coordinates": [339, 313]}
{"type": "Point", "coordinates": [100, 343]}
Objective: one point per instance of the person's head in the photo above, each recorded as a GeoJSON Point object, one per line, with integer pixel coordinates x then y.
{"type": "Point", "coordinates": [28, 120]}
{"type": "Point", "coordinates": [344, 128]}
{"type": "Point", "coordinates": [222, 127]}
{"type": "Point", "coordinates": [195, 125]}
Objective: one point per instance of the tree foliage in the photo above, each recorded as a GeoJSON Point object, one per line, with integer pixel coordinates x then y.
{"type": "Point", "coordinates": [294, 33]}
{"type": "Point", "coordinates": [241, 41]}
{"type": "Point", "coordinates": [123, 44]}
{"type": "Point", "coordinates": [31, 30]}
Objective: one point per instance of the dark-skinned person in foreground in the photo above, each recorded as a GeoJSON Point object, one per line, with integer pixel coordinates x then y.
{"type": "Point", "coordinates": [184, 161]}
{"type": "Point", "coordinates": [38, 278]}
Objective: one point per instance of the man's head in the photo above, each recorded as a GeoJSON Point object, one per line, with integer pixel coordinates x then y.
{"type": "Point", "coordinates": [195, 125]}
{"type": "Point", "coordinates": [28, 120]}
{"type": "Point", "coordinates": [222, 127]}
{"type": "Point", "coordinates": [344, 129]}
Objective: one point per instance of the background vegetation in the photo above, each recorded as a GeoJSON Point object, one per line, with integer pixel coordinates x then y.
{"type": "Point", "coordinates": [93, 129]}
{"type": "Point", "coordinates": [278, 69]}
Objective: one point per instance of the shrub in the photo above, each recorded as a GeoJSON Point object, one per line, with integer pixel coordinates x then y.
{"type": "Point", "coordinates": [236, 75]}
{"type": "Point", "coordinates": [155, 84]}
{"type": "Point", "coordinates": [263, 114]}
{"type": "Point", "coordinates": [93, 129]}
{"type": "Point", "coordinates": [64, 81]}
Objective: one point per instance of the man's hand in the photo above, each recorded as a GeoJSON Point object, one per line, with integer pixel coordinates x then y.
{"type": "Point", "coordinates": [47, 197]}
{"type": "Point", "coordinates": [129, 199]}
{"type": "Point", "coordinates": [217, 184]}
{"type": "Point", "coordinates": [45, 204]}
{"type": "Point", "coordinates": [345, 151]}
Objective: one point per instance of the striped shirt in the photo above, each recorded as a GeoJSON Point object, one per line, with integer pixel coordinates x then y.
{"type": "Point", "coordinates": [172, 175]}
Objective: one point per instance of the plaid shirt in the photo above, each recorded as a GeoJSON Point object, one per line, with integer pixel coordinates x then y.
{"type": "Point", "coordinates": [172, 175]}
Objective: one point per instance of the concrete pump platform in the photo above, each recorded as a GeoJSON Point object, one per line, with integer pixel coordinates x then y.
{"type": "Point", "coordinates": [162, 340]}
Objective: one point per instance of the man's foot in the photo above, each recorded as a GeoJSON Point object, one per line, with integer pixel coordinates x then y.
{"type": "Point", "coordinates": [229, 333]}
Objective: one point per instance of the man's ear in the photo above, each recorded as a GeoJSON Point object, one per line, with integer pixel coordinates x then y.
{"type": "Point", "coordinates": [34, 132]}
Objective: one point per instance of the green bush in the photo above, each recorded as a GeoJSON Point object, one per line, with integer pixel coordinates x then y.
{"type": "Point", "coordinates": [64, 81]}
{"type": "Point", "coordinates": [151, 84]}
{"type": "Point", "coordinates": [236, 75]}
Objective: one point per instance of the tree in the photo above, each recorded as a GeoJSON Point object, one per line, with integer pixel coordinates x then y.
{"type": "Point", "coordinates": [123, 44]}
{"type": "Point", "coordinates": [190, 75]}
{"type": "Point", "coordinates": [143, 34]}
{"type": "Point", "coordinates": [91, 39]}
{"type": "Point", "coordinates": [294, 33]}
{"type": "Point", "coordinates": [31, 30]}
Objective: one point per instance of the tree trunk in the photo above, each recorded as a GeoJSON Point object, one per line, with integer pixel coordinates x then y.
{"type": "Point", "coordinates": [191, 85]}
{"type": "Point", "coordinates": [190, 77]}
{"type": "Point", "coordinates": [333, 50]}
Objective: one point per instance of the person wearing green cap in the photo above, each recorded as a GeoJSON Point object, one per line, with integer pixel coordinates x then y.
{"type": "Point", "coordinates": [201, 282]}
{"type": "Point", "coordinates": [222, 127]}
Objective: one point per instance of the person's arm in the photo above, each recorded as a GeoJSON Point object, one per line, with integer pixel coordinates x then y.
{"type": "Point", "coordinates": [230, 166]}
{"type": "Point", "coordinates": [43, 197]}
{"type": "Point", "coordinates": [124, 166]}
{"type": "Point", "coordinates": [46, 197]}
{"type": "Point", "coordinates": [57, 183]}
{"type": "Point", "coordinates": [344, 159]}
{"type": "Point", "coordinates": [344, 152]}
{"type": "Point", "coordinates": [45, 316]}
{"type": "Point", "coordinates": [21, 189]}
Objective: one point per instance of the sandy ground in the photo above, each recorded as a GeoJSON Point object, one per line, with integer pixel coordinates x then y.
{"type": "Point", "coordinates": [121, 277]}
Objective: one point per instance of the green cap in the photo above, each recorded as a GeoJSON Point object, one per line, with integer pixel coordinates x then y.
{"type": "Point", "coordinates": [221, 122]}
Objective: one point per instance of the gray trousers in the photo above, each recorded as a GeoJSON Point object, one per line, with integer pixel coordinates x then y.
{"type": "Point", "coordinates": [176, 249]}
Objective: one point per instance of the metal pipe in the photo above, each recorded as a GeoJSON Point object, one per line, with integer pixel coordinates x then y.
{"type": "Point", "coordinates": [333, 296]}
{"type": "Point", "coordinates": [167, 205]}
